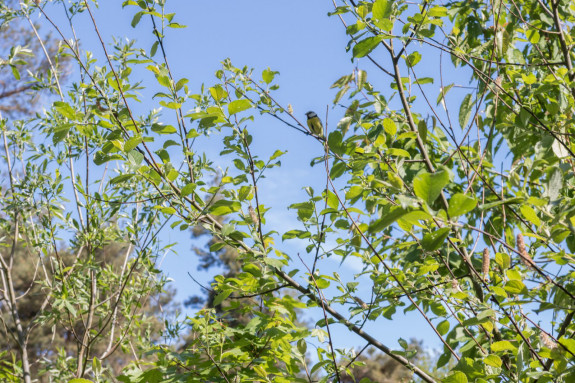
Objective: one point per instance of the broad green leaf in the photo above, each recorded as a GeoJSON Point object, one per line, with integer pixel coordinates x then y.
{"type": "Point", "coordinates": [223, 207]}
{"type": "Point", "coordinates": [443, 327]}
{"type": "Point", "coordinates": [433, 241]}
{"type": "Point", "coordinates": [529, 214]}
{"type": "Point", "coordinates": [465, 111]}
{"type": "Point", "coordinates": [456, 377]}
{"type": "Point", "coordinates": [443, 92]}
{"type": "Point", "coordinates": [533, 35]}
{"type": "Point", "coordinates": [334, 142]}
{"type": "Point", "coordinates": [154, 48]}
{"type": "Point", "coordinates": [389, 126]}
{"type": "Point", "coordinates": [437, 11]}
{"type": "Point", "coordinates": [277, 154]}
{"type": "Point", "coordinates": [493, 361]}
{"type": "Point", "coordinates": [180, 84]}
{"type": "Point", "coordinates": [65, 109]}
{"type": "Point", "coordinates": [413, 59]}
{"type": "Point", "coordinates": [304, 210]}
{"type": "Point", "coordinates": [60, 132]}
{"type": "Point", "coordinates": [365, 46]}
{"type": "Point", "coordinates": [460, 204]}
{"type": "Point", "coordinates": [393, 215]}
{"type": "Point", "coordinates": [221, 296]}
{"type": "Point", "coordinates": [428, 186]}
{"type": "Point", "coordinates": [168, 210]}
{"type": "Point", "coordinates": [424, 80]}
{"type": "Point", "coordinates": [163, 129]}
{"type": "Point", "coordinates": [135, 157]}
{"type": "Point", "coordinates": [268, 75]}
{"type": "Point", "coordinates": [188, 189]}
{"type": "Point", "coordinates": [136, 19]}
{"type": "Point", "coordinates": [508, 201]}
{"type": "Point", "coordinates": [132, 143]}
{"type": "Point", "coordinates": [503, 345]}
{"type": "Point", "coordinates": [554, 183]}
{"type": "Point", "coordinates": [514, 287]}
{"type": "Point", "coordinates": [332, 200]}
{"type": "Point", "coordinates": [438, 309]}
{"type": "Point", "coordinates": [382, 9]}
{"type": "Point", "coordinates": [569, 344]}
{"type": "Point", "coordinates": [120, 178]}
{"type": "Point", "coordinates": [238, 106]}
{"type": "Point", "coordinates": [322, 283]}
{"type": "Point", "coordinates": [218, 93]}
{"type": "Point", "coordinates": [353, 192]}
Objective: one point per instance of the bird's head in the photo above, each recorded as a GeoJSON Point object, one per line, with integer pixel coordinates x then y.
{"type": "Point", "coordinates": [311, 114]}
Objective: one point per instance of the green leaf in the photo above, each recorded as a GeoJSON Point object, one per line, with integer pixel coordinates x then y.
{"type": "Point", "coordinates": [136, 19]}
{"type": "Point", "coordinates": [493, 361]}
{"type": "Point", "coordinates": [304, 210]}
{"type": "Point", "coordinates": [508, 201]}
{"type": "Point", "coordinates": [221, 296]}
{"type": "Point", "coordinates": [277, 154]}
{"type": "Point", "coordinates": [422, 130]}
{"type": "Point", "coordinates": [332, 200]}
{"type": "Point", "coordinates": [223, 207]}
{"type": "Point", "coordinates": [389, 126]}
{"type": "Point", "coordinates": [188, 189]}
{"type": "Point", "coordinates": [176, 25]}
{"type": "Point", "coordinates": [443, 92]}
{"type": "Point", "coordinates": [135, 157]}
{"type": "Point", "coordinates": [529, 214]}
{"type": "Point", "coordinates": [168, 210]}
{"type": "Point", "coordinates": [428, 186]}
{"type": "Point", "coordinates": [120, 178]}
{"type": "Point", "coordinates": [569, 344]}
{"type": "Point", "coordinates": [413, 59]}
{"type": "Point", "coordinates": [334, 142]}
{"type": "Point", "coordinates": [154, 48]}
{"type": "Point", "coordinates": [393, 215]}
{"type": "Point", "coordinates": [460, 204]}
{"type": "Point", "coordinates": [180, 84]}
{"type": "Point", "coordinates": [381, 9]}
{"type": "Point", "coordinates": [101, 157]}
{"type": "Point", "coordinates": [79, 380]}
{"type": "Point", "coordinates": [533, 35]}
{"type": "Point", "coordinates": [322, 283]}
{"type": "Point", "coordinates": [60, 132]}
{"type": "Point", "coordinates": [65, 110]}
{"type": "Point", "coordinates": [443, 327]}
{"type": "Point", "coordinates": [268, 75]}
{"type": "Point", "coordinates": [437, 11]}
{"type": "Point", "coordinates": [365, 46]}
{"type": "Point", "coordinates": [438, 309]}
{"type": "Point", "coordinates": [132, 143]}
{"type": "Point", "coordinates": [238, 106]}
{"type": "Point", "coordinates": [456, 377]}
{"type": "Point", "coordinates": [218, 92]}
{"type": "Point", "coordinates": [163, 129]}
{"type": "Point", "coordinates": [433, 241]}
{"type": "Point", "coordinates": [465, 111]}
{"type": "Point", "coordinates": [424, 80]}
{"type": "Point", "coordinates": [503, 345]}
{"type": "Point", "coordinates": [514, 287]}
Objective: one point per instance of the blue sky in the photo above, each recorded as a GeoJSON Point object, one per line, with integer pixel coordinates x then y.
{"type": "Point", "coordinates": [307, 47]}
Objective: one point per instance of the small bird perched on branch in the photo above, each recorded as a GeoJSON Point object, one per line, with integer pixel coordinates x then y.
{"type": "Point", "coordinates": [254, 216]}
{"type": "Point", "coordinates": [314, 124]}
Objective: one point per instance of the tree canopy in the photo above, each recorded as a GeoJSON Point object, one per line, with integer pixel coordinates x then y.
{"type": "Point", "coordinates": [447, 174]}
